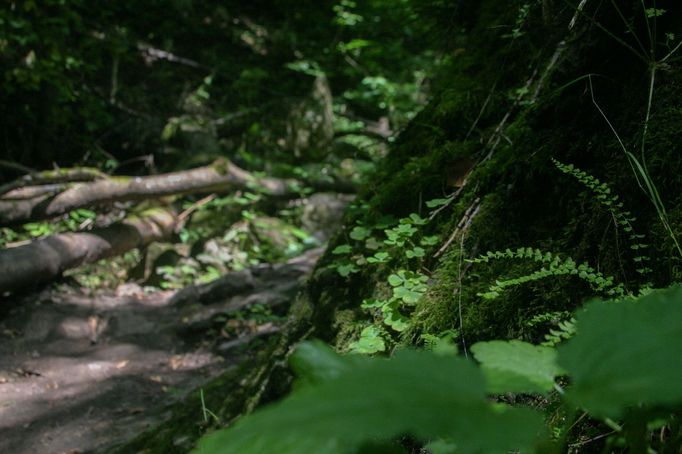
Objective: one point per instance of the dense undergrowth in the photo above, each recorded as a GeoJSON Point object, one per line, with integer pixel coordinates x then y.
{"type": "Point", "coordinates": [542, 172]}
{"type": "Point", "coordinates": [541, 148]}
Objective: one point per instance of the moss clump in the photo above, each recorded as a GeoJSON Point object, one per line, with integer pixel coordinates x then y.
{"type": "Point", "coordinates": [525, 201]}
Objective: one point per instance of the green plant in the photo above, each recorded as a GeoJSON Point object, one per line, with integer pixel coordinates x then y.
{"type": "Point", "coordinates": [563, 326]}
{"type": "Point", "coordinates": [403, 246]}
{"type": "Point", "coordinates": [623, 219]}
{"type": "Point", "coordinates": [553, 265]}
{"type": "Point", "coordinates": [650, 57]}
{"type": "Point", "coordinates": [205, 412]}
{"type": "Point", "coordinates": [521, 17]}
{"type": "Point", "coordinates": [621, 364]}
{"type": "Point", "coordinates": [407, 288]}
{"type": "Point", "coordinates": [7, 235]}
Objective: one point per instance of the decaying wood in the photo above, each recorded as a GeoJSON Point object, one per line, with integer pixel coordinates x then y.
{"type": "Point", "coordinates": [51, 177]}
{"type": "Point", "coordinates": [220, 176]}
{"type": "Point", "coordinates": [46, 259]}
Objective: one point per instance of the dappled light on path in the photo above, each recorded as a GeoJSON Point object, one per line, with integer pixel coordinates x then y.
{"type": "Point", "coordinates": [86, 371]}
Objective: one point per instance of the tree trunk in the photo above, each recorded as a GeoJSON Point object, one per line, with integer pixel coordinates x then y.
{"type": "Point", "coordinates": [220, 176]}
{"type": "Point", "coordinates": [45, 259]}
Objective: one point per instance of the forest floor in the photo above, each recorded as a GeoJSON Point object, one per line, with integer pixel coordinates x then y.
{"type": "Point", "coordinates": [83, 371]}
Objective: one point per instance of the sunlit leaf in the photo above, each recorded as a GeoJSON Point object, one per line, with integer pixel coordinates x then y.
{"type": "Point", "coordinates": [516, 366]}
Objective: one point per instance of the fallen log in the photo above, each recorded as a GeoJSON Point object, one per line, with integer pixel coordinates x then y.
{"type": "Point", "coordinates": [56, 176]}
{"type": "Point", "coordinates": [219, 176]}
{"type": "Point", "coordinates": [43, 260]}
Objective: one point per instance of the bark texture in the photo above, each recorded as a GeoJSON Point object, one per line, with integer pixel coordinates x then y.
{"type": "Point", "coordinates": [45, 259]}
{"type": "Point", "coordinates": [220, 176]}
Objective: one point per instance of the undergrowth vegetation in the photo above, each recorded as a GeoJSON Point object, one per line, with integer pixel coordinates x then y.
{"type": "Point", "coordinates": [507, 176]}
{"type": "Point", "coordinates": [621, 366]}
{"type": "Point", "coordinates": [517, 233]}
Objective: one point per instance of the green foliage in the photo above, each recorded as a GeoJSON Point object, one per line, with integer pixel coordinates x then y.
{"type": "Point", "coordinates": [562, 326]}
{"type": "Point", "coordinates": [624, 219]}
{"type": "Point", "coordinates": [521, 17]}
{"type": "Point", "coordinates": [517, 366]}
{"type": "Point", "coordinates": [355, 400]}
{"type": "Point", "coordinates": [553, 265]}
{"type": "Point", "coordinates": [565, 330]}
{"type": "Point", "coordinates": [80, 219]}
{"type": "Point", "coordinates": [7, 235]}
{"type": "Point", "coordinates": [625, 355]}
{"type": "Point", "coordinates": [403, 245]}
{"type": "Point", "coordinates": [371, 341]}
{"type": "Point", "coordinates": [407, 288]}
{"type": "Point", "coordinates": [621, 364]}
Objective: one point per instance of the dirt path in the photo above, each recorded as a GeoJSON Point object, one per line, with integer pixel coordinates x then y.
{"type": "Point", "coordinates": [80, 373]}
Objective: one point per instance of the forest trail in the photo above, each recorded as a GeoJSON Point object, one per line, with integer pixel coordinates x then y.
{"type": "Point", "coordinates": [83, 372]}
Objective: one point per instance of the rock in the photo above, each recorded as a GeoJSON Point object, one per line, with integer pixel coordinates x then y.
{"type": "Point", "coordinates": [323, 212]}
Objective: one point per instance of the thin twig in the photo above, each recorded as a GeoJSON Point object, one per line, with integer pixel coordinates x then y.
{"type": "Point", "coordinates": [463, 224]}
{"type": "Point", "coordinates": [182, 217]}
{"type": "Point", "coordinates": [459, 294]}
{"type": "Point", "coordinates": [480, 112]}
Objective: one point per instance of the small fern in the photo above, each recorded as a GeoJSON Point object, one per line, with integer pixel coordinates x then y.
{"type": "Point", "coordinates": [553, 265]}
{"type": "Point", "coordinates": [562, 320]}
{"type": "Point", "coordinates": [566, 330]}
{"type": "Point", "coordinates": [623, 219]}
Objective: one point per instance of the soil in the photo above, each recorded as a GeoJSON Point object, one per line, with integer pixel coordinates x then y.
{"type": "Point", "coordinates": [83, 371]}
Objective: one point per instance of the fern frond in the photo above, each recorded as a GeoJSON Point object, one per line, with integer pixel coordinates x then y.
{"type": "Point", "coordinates": [565, 331]}
{"type": "Point", "coordinates": [623, 219]}
{"type": "Point", "coordinates": [553, 265]}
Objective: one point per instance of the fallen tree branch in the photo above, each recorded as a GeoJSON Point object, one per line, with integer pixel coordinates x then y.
{"type": "Point", "coordinates": [30, 192]}
{"type": "Point", "coordinates": [46, 259]}
{"type": "Point", "coordinates": [220, 176]}
{"type": "Point", "coordinates": [217, 177]}
{"type": "Point", "coordinates": [47, 177]}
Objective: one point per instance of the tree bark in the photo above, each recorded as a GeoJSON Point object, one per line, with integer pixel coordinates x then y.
{"type": "Point", "coordinates": [43, 260]}
{"type": "Point", "coordinates": [48, 177]}
{"type": "Point", "coordinates": [220, 176]}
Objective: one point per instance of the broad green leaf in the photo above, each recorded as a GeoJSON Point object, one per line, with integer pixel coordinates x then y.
{"type": "Point", "coordinates": [626, 354]}
{"type": "Point", "coordinates": [393, 317]}
{"type": "Point", "coordinates": [429, 241]}
{"type": "Point", "coordinates": [379, 257]}
{"type": "Point", "coordinates": [516, 366]}
{"type": "Point", "coordinates": [360, 233]}
{"type": "Point", "coordinates": [418, 393]}
{"type": "Point", "coordinates": [372, 243]}
{"type": "Point", "coordinates": [406, 295]}
{"type": "Point", "coordinates": [372, 304]}
{"type": "Point", "coordinates": [315, 362]}
{"type": "Point", "coordinates": [395, 280]}
{"type": "Point", "coordinates": [370, 341]}
{"type": "Point", "coordinates": [433, 203]}
{"type": "Point", "coordinates": [415, 252]}
{"type": "Point", "coordinates": [347, 269]}
{"type": "Point", "coordinates": [418, 220]}
{"type": "Point", "coordinates": [343, 249]}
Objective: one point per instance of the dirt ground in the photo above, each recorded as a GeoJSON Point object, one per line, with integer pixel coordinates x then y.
{"type": "Point", "coordinates": [81, 372]}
